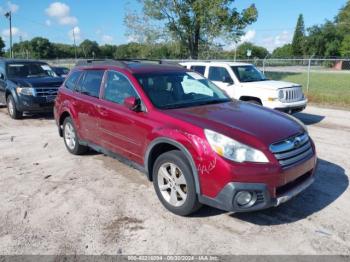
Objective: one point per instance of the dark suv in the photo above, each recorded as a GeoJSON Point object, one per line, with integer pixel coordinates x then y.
{"type": "Point", "coordinates": [196, 144]}
{"type": "Point", "coordinates": [27, 86]}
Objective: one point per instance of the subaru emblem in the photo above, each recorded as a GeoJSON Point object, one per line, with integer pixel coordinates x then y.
{"type": "Point", "coordinates": [297, 142]}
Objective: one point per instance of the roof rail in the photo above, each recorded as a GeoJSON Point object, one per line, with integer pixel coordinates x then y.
{"type": "Point", "coordinates": [123, 62]}
{"type": "Point", "coordinates": [90, 62]}
{"type": "Point", "coordinates": [145, 60]}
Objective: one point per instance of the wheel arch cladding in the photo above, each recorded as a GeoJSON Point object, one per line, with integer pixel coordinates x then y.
{"type": "Point", "coordinates": [63, 116]}
{"type": "Point", "coordinates": [162, 145]}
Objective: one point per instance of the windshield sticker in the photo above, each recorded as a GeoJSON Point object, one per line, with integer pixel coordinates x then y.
{"type": "Point", "coordinates": [46, 67]}
{"type": "Point", "coordinates": [195, 76]}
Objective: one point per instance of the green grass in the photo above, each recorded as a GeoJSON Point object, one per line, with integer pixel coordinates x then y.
{"type": "Point", "coordinates": [325, 88]}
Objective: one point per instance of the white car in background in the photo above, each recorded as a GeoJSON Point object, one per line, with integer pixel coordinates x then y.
{"type": "Point", "coordinates": [245, 82]}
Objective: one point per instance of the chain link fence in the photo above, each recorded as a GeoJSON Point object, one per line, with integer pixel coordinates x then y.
{"type": "Point", "coordinates": [325, 81]}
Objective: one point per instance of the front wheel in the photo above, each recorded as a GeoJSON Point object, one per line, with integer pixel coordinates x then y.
{"type": "Point", "coordinates": [174, 184]}
{"type": "Point", "coordinates": [12, 108]}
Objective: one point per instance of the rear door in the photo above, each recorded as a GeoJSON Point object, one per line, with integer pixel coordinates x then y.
{"type": "Point", "coordinates": [122, 130]}
{"type": "Point", "coordinates": [86, 101]}
{"type": "Point", "coordinates": [221, 77]}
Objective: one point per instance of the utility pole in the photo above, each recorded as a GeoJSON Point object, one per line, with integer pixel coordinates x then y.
{"type": "Point", "coordinates": [75, 46]}
{"type": "Point", "coordinates": [8, 15]}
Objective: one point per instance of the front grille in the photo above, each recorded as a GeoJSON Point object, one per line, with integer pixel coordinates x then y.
{"type": "Point", "coordinates": [46, 92]}
{"type": "Point", "coordinates": [293, 94]}
{"type": "Point", "coordinates": [292, 150]}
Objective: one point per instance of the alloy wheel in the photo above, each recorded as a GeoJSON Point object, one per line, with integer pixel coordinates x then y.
{"type": "Point", "coordinates": [69, 136]}
{"type": "Point", "coordinates": [172, 184]}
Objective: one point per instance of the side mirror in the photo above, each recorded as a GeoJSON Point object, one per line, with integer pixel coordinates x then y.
{"type": "Point", "coordinates": [2, 76]}
{"type": "Point", "coordinates": [228, 80]}
{"type": "Point", "coordinates": [133, 103]}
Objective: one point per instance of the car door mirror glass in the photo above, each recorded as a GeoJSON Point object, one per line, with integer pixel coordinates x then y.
{"type": "Point", "coordinates": [2, 76]}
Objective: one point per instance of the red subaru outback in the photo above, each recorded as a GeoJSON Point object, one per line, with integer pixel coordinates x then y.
{"type": "Point", "coordinates": [196, 144]}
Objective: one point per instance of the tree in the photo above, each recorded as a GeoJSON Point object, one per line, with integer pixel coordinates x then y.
{"type": "Point", "coordinates": [343, 19]}
{"type": "Point", "coordinates": [63, 50]}
{"type": "Point", "coordinates": [299, 37]}
{"type": "Point", "coordinates": [323, 40]}
{"type": "Point", "coordinates": [89, 48]}
{"type": "Point", "coordinates": [2, 45]}
{"type": "Point", "coordinates": [257, 51]}
{"type": "Point", "coordinates": [107, 51]}
{"type": "Point", "coordinates": [283, 51]}
{"type": "Point", "coordinates": [345, 46]}
{"type": "Point", "coordinates": [196, 22]}
{"type": "Point", "coordinates": [41, 48]}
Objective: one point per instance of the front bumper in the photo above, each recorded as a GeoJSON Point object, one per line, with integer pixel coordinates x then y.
{"type": "Point", "coordinates": [290, 108]}
{"type": "Point", "coordinates": [226, 200]}
{"type": "Point", "coordinates": [35, 104]}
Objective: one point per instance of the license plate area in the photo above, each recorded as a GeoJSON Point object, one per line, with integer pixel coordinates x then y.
{"type": "Point", "coordinates": [50, 99]}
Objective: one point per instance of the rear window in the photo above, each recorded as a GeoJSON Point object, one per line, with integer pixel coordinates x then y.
{"type": "Point", "coordinates": [198, 69]}
{"type": "Point", "coordinates": [92, 83]}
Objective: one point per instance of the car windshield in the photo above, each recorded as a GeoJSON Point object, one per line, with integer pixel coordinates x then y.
{"type": "Point", "coordinates": [29, 70]}
{"type": "Point", "coordinates": [248, 73]}
{"type": "Point", "coordinates": [180, 89]}
{"type": "Point", "coordinates": [61, 70]}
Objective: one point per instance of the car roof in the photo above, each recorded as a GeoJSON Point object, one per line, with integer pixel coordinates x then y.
{"type": "Point", "coordinates": [215, 63]}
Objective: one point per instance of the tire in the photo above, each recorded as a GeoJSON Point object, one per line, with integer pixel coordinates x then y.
{"type": "Point", "coordinates": [12, 108]}
{"type": "Point", "coordinates": [255, 102]}
{"type": "Point", "coordinates": [174, 183]}
{"type": "Point", "coordinates": [70, 138]}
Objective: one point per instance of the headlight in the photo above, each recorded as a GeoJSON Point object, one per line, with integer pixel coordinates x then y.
{"type": "Point", "coordinates": [28, 91]}
{"type": "Point", "coordinates": [232, 149]}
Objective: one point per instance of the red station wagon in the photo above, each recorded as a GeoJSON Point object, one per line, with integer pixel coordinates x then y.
{"type": "Point", "coordinates": [196, 144]}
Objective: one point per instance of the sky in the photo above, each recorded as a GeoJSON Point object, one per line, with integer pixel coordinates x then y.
{"type": "Point", "coordinates": [102, 21]}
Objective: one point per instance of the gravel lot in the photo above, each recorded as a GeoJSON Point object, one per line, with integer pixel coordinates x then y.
{"type": "Point", "coordinates": [52, 202]}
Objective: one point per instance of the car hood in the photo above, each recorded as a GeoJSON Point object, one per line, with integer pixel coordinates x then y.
{"type": "Point", "coordinates": [241, 120]}
{"type": "Point", "coordinates": [270, 84]}
{"type": "Point", "coordinates": [38, 81]}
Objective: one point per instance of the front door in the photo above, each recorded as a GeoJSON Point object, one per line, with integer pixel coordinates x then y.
{"type": "Point", "coordinates": [122, 130]}
{"type": "Point", "coordinates": [221, 77]}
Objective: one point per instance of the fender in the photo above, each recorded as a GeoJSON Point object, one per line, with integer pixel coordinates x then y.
{"type": "Point", "coordinates": [65, 107]}
{"type": "Point", "coordinates": [11, 90]}
{"type": "Point", "coordinates": [183, 149]}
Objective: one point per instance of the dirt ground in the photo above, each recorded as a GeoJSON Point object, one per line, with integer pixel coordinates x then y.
{"type": "Point", "coordinates": [52, 202]}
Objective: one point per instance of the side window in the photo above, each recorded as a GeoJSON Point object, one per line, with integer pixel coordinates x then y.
{"type": "Point", "coordinates": [198, 69]}
{"type": "Point", "coordinates": [72, 79]}
{"type": "Point", "coordinates": [219, 74]}
{"type": "Point", "coordinates": [92, 83]}
{"type": "Point", "coordinates": [117, 88]}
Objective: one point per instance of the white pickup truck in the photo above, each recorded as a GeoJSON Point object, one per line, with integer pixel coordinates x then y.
{"type": "Point", "coordinates": [245, 82]}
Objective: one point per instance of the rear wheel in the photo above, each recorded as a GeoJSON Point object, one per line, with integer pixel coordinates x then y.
{"type": "Point", "coordinates": [71, 139]}
{"type": "Point", "coordinates": [12, 109]}
{"type": "Point", "coordinates": [174, 184]}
